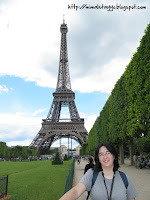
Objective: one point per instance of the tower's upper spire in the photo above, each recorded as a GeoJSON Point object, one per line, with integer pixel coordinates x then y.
{"type": "Point", "coordinates": [63, 19]}
{"type": "Point", "coordinates": [63, 82]}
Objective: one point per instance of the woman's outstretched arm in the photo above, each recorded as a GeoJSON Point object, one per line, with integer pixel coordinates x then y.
{"type": "Point", "coordinates": [74, 193]}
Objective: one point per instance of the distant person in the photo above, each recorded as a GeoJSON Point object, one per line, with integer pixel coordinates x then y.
{"type": "Point", "coordinates": [109, 184]}
{"type": "Point", "coordinates": [78, 160]}
{"type": "Point", "coordinates": [144, 163]}
{"type": "Point", "coordinates": [89, 165]}
{"type": "Point", "coordinates": [135, 160]}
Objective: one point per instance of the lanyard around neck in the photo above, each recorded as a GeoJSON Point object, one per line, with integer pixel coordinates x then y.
{"type": "Point", "coordinates": [109, 197]}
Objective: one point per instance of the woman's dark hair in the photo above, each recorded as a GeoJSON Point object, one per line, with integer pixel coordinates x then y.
{"type": "Point", "coordinates": [112, 150]}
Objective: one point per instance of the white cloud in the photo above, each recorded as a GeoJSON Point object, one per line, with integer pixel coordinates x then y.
{"type": "Point", "coordinates": [39, 111]}
{"type": "Point", "coordinates": [102, 79]}
{"type": "Point", "coordinates": [19, 125]}
{"type": "Point", "coordinates": [29, 37]}
{"type": "Point", "coordinates": [3, 88]}
{"type": "Point", "coordinates": [89, 120]}
{"type": "Point", "coordinates": [25, 142]}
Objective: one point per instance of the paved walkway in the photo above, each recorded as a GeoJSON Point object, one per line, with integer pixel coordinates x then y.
{"type": "Point", "coordinates": [140, 178]}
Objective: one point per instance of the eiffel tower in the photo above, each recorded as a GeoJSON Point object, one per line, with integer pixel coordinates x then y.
{"type": "Point", "coordinates": [53, 127]}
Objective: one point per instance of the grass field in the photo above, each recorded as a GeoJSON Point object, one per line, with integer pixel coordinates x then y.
{"type": "Point", "coordinates": [36, 180]}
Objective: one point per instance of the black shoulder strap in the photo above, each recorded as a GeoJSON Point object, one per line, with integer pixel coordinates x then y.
{"type": "Point", "coordinates": [124, 178]}
{"type": "Point", "coordinates": [95, 173]}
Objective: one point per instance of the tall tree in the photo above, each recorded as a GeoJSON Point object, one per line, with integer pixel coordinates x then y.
{"type": "Point", "coordinates": [2, 149]}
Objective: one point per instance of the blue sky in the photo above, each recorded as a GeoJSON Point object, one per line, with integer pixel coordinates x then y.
{"type": "Point", "coordinates": [101, 44]}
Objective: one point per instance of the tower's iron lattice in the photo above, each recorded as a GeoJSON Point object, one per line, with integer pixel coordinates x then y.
{"type": "Point", "coordinates": [54, 128]}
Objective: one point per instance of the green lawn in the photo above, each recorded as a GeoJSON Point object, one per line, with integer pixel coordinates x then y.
{"type": "Point", "coordinates": [36, 180]}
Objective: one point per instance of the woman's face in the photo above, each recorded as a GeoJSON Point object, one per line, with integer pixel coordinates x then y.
{"type": "Point", "coordinates": [105, 157]}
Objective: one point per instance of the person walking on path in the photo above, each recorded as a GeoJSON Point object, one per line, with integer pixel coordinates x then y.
{"type": "Point", "coordinates": [112, 186]}
{"type": "Point", "coordinates": [89, 165]}
{"type": "Point", "coordinates": [135, 160]}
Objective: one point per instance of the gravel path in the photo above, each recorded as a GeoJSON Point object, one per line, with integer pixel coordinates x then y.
{"type": "Point", "coordinates": [140, 178]}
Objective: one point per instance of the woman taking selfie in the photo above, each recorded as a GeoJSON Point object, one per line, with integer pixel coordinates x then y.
{"type": "Point", "coordinates": [109, 183]}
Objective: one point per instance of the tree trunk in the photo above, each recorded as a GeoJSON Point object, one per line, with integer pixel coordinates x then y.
{"type": "Point", "coordinates": [131, 151]}
{"type": "Point", "coordinates": [121, 153]}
